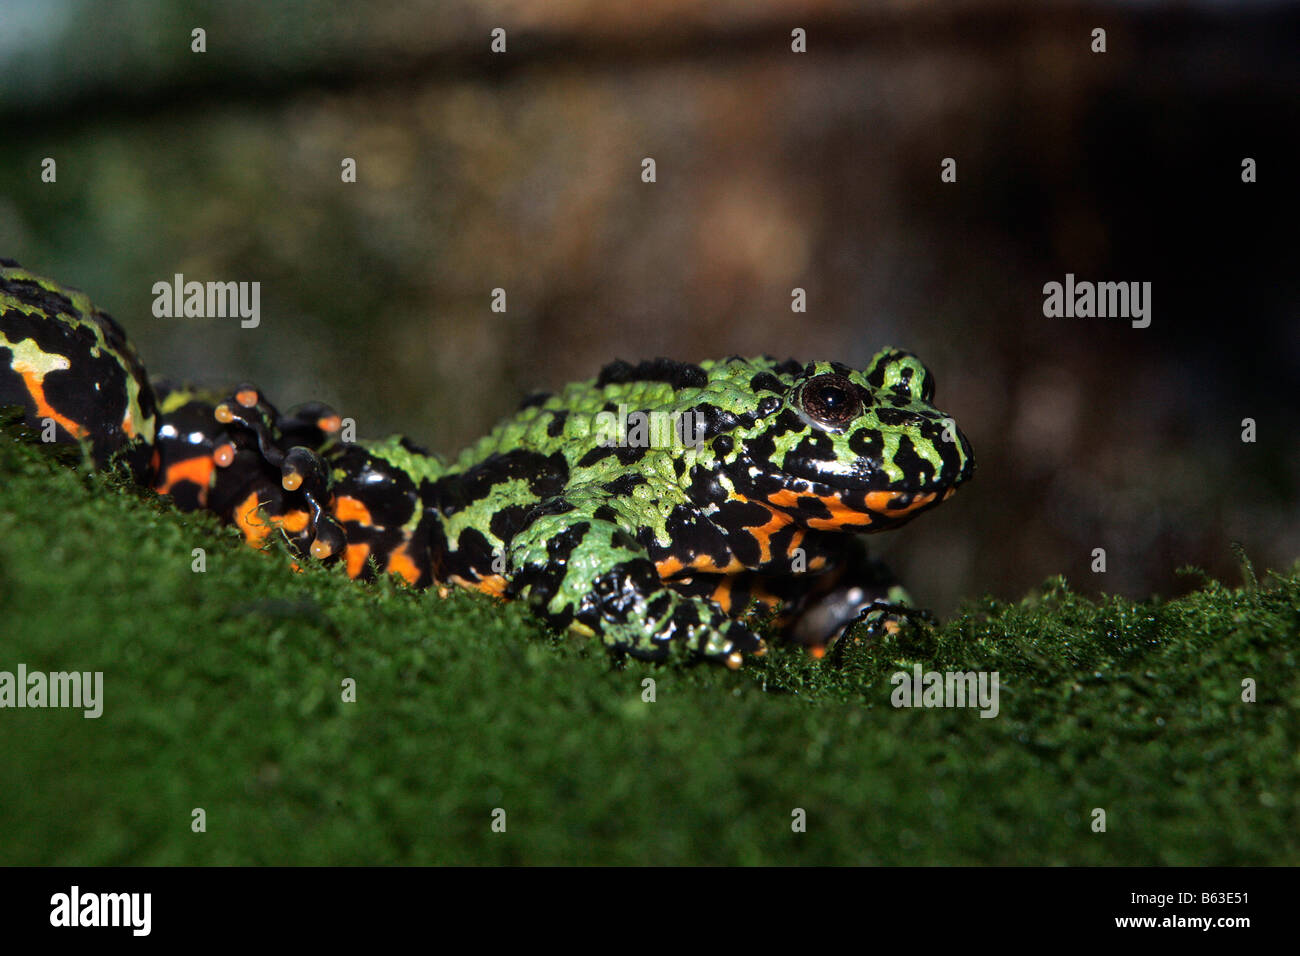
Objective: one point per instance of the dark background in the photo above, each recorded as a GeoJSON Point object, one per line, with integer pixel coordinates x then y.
{"type": "Point", "coordinates": [775, 170]}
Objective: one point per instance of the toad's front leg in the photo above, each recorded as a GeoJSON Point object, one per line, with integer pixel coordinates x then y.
{"type": "Point", "coordinates": [590, 573]}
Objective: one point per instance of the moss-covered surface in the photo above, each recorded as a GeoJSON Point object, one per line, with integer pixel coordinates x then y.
{"type": "Point", "coordinates": [222, 691]}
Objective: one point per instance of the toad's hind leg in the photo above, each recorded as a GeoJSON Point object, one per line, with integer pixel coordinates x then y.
{"type": "Point", "coordinates": [577, 569]}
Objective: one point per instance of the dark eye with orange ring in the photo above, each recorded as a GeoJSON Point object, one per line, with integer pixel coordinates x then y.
{"type": "Point", "coordinates": [830, 399]}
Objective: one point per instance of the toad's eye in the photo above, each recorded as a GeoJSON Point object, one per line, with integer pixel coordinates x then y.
{"type": "Point", "coordinates": [831, 400]}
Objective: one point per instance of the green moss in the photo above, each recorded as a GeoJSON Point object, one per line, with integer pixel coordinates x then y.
{"type": "Point", "coordinates": [222, 691]}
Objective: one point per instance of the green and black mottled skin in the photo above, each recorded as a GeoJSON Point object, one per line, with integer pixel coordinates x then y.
{"type": "Point", "coordinates": [653, 541]}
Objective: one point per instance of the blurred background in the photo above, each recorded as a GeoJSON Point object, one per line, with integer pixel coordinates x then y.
{"type": "Point", "coordinates": [775, 170]}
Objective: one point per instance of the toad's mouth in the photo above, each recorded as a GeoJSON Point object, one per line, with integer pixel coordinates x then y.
{"type": "Point", "coordinates": [826, 508]}
{"type": "Point", "coordinates": [862, 499]}
{"type": "Point", "coordinates": [860, 477]}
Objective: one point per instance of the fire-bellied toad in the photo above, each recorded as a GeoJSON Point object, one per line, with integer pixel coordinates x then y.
{"type": "Point", "coordinates": [646, 506]}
